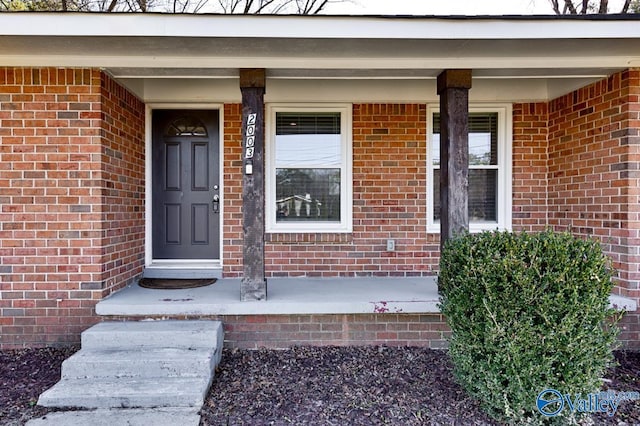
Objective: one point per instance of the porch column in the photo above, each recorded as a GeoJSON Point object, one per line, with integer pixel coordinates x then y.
{"type": "Point", "coordinates": [252, 86]}
{"type": "Point", "coordinates": [453, 89]}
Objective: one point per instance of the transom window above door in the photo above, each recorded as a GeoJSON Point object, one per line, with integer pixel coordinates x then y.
{"type": "Point", "coordinates": [490, 138]}
{"type": "Point", "coordinates": [186, 126]}
{"type": "Point", "coordinates": [308, 176]}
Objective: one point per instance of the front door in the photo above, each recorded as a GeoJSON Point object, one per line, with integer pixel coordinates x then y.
{"type": "Point", "coordinates": [186, 191]}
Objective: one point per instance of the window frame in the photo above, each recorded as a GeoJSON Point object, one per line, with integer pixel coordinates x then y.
{"type": "Point", "coordinates": [504, 168]}
{"type": "Point", "coordinates": [345, 225]}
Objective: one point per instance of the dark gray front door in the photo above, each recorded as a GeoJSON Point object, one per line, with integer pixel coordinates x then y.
{"type": "Point", "coordinates": [186, 191]}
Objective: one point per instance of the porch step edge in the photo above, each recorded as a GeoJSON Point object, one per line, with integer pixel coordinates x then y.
{"type": "Point", "coordinates": [158, 416]}
{"type": "Point", "coordinates": [127, 393]}
{"type": "Point", "coordinates": [148, 363]}
{"type": "Point", "coordinates": [124, 335]}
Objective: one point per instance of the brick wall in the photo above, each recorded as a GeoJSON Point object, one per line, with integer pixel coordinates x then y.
{"type": "Point", "coordinates": [122, 185]}
{"type": "Point", "coordinates": [71, 200]}
{"type": "Point", "coordinates": [529, 154]}
{"type": "Point", "coordinates": [594, 175]}
{"type": "Point", "coordinates": [232, 199]}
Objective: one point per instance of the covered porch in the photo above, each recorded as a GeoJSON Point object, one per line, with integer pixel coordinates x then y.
{"type": "Point", "coordinates": [556, 126]}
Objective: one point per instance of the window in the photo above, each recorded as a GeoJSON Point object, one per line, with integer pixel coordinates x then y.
{"type": "Point", "coordinates": [308, 177]}
{"type": "Point", "coordinates": [186, 126]}
{"type": "Point", "coordinates": [489, 168]}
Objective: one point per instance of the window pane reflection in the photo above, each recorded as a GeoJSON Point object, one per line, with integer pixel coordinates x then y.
{"type": "Point", "coordinates": [483, 195]}
{"type": "Point", "coordinates": [307, 150]}
{"type": "Point", "coordinates": [483, 139]}
{"type": "Point", "coordinates": [308, 194]}
{"type": "Point", "coordinates": [308, 139]}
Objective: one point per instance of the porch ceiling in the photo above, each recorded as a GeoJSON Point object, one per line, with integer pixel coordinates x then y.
{"type": "Point", "coordinates": [563, 52]}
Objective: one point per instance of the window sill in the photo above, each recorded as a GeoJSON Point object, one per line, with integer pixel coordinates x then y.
{"type": "Point", "coordinates": [308, 237]}
{"type": "Point", "coordinates": [474, 228]}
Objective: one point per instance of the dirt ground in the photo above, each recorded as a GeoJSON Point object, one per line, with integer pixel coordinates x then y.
{"type": "Point", "coordinates": [311, 386]}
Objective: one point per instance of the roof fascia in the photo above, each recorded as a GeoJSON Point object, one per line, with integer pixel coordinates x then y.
{"type": "Point", "coordinates": [313, 27]}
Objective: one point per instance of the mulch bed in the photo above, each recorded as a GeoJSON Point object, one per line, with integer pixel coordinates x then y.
{"type": "Point", "coordinates": [338, 386]}
{"type": "Point", "coordinates": [24, 375]}
{"type": "Point", "coordinates": [311, 386]}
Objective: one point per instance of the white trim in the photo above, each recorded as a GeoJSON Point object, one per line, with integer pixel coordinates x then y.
{"type": "Point", "coordinates": [188, 263]}
{"type": "Point", "coordinates": [148, 189]}
{"type": "Point", "coordinates": [313, 27]}
{"type": "Point", "coordinates": [346, 190]}
{"type": "Point", "coordinates": [504, 167]}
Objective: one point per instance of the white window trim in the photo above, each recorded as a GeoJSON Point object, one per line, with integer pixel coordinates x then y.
{"type": "Point", "coordinates": [346, 191]}
{"type": "Point", "coordinates": [505, 169]}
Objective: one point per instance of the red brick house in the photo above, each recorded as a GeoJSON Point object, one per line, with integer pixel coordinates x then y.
{"type": "Point", "coordinates": [134, 144]}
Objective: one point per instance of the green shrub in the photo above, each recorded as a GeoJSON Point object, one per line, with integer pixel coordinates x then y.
{"type": "Point", "coordinates": [527, 312]}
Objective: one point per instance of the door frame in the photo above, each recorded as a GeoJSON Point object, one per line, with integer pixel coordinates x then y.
{"type": "Point", "coordinates": [148, 224]}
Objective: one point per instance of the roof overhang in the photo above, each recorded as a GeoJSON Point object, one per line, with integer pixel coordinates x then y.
{"type": "Point", "coordinates": [159, 46]}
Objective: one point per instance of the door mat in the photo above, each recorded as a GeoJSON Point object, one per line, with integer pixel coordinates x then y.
{"type": "Point", "coordinates": [174, 284]}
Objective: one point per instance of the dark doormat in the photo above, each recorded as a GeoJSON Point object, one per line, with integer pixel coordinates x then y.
{"type": "Point", "coordinates": [174, 284]}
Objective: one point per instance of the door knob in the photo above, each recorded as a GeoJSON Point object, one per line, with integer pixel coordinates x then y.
{"type": "Point", "coordinates": [216, 203]}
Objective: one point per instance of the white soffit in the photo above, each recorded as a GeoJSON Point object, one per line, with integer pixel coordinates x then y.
{"type": "Point", "coordinates": [194, 90]}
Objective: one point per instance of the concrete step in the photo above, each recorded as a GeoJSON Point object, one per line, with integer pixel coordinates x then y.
{"type": "Point", "coordinates": [165, 362]}
{"type": "Point", "coordinates": [127, 393]}
{"type": "Point", "coordinates": [153, 334]}
{"type": "Point", "coordinates": [140, 364]}
{"type": "Point", "coordinates": [118, 417]}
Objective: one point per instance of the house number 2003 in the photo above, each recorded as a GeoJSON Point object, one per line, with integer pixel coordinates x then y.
{"type": "Point", "coordinates": [250, 136]}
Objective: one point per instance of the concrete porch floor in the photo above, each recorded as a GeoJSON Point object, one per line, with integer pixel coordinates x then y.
{"type": "Point", "coordinates": [291, 296]}
{"type": "Point", "coordinates": [284, 296]}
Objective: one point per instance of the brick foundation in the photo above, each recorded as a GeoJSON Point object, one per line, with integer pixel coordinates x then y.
{"type": "Point", "coordinates": [285, 331]}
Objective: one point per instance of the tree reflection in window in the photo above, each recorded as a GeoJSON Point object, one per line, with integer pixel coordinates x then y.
{"type": "Point", "coordinates": [308, 194]}
{"type": "Point", "coordinates": [186, 126]}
